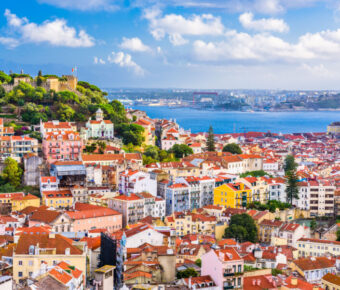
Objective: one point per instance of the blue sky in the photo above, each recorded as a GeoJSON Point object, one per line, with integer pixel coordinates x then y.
{"type": "Point", "coordinates": [274, 44]}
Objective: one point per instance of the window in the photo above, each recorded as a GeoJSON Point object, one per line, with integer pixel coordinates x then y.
{"type": "Point", "coordinates": [30, 263]}
{"type": "Point", "coordinates": [20, 263]}
{"type": "Point", "coordinates": [19, 274]}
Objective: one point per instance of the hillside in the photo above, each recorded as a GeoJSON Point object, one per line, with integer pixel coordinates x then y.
{"type": "Point", "coordinates": [34, 101]}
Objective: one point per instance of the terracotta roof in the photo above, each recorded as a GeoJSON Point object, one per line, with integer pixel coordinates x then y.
{"type": "Point", "coordinates": [45, 179]}
{"type": "Point", "coordinates": [132, 197]}
{"type": "Point", "coordinates": [92, 213]}
{"type": "Point", "coordinates": [59, 243]}
{"type": "Point", "coordinates": [313, 263]}
{"type": "Point", "coordinates": [92, 243]}
{"type": "Point", "coordinates": [46, 216]}
{"type": "Point", "coordinates": [331, 278]}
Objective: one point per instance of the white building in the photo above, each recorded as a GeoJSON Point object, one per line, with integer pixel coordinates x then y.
{"type": "Point", "coordinates": [48, 183]}
{"type": "Point", "coordinates": [316, 196]}
{"type": "Point", "coordinates": [99, 128]}
{"type": "Point", "coordinates": [135, 181]}
{"type": "Point", "coordinates": [292, 233]}
{"type": "Point", "coordinates": [153, 206]}
{"type": "Point", "coordinates": [270, 165]}
{"type": "Point", "coordinates": [277, 189]}
{"type": "Point", "coordinates": [144, 233]}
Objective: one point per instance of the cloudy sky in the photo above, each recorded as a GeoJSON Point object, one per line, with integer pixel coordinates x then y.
{"type": "Point", "coordinates": [275, 44]}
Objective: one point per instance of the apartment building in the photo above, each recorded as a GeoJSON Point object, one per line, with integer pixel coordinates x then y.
{"type": "Point", "coordinates": [177, 198]}
{"type": "Point", "coordinates": [62, 145]}
{"type": "Point", "coordinates": [227, 270]}
{"type": "Point", "coordinates": [232, 195]}
{"type": "Point", "coordinates": [153, 206]}
{"type": "Point", "coordinates": [135, 181]}
{"type": "Point", "coordinates": [317, 248]}
{"type": "Point", "coordinates": [17, 146]}
{"type": "Point", "coordinates": [131, 207]}
{"type": "Point", "coordinates": [56, 126]}
{"type": "Point", "coordinates": [314, 268]}
{"type": "Point", "coordinates": [86, 217]}
{"type": "Point", "coordinates": [34, 251]}
{"type": "Point", "coordinates": [316, 196]}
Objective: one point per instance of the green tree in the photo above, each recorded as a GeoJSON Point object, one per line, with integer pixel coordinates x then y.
{"type": "Point", "coordinates": [4, 78]}
{"type": "Point", "coordinates": [152, 152]}
{"type": "Point", "coordinates": [91, 148]}
{"type": "Point", "coordinates": [211, 140]}
{"type": "Point", "coordinates": [289, 164]}
{"type": "Point", "coordinates": [12, 172]}
{"type": "Point", "coordinates": [102, 146]}
{"type": "Point", "coordinates": [338, 235]}
{"type": "Point", "coordinates": [292, 190]}
{"type": "Point", "coordinates": [181, 150]}
{"type": "Point", "coordinates": [233, 148]}
{"type": "Point", "coordinates": [255, 173]}
{"type": "Point", "coordinates": [2, 92]}
{"type": "Point", "coordinates": [190, 272]}
{"type": "Point", "coordinates": [198, 262]}
{"type": "Point", "coordinates": [242, 228]}
{"type": "Point", "coordinates": [276, 272]}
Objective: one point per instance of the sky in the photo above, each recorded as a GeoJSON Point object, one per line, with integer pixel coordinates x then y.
{"type": "Point", "coordinates": [198, 44]}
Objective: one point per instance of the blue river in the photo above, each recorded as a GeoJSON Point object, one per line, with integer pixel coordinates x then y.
{"type": "Point", "coordinates": [230, 121]}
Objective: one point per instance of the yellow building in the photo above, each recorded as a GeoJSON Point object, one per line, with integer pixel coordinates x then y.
{"type": "Point", "coordinates": [331, 282]}
{"type": "Point", "coordinates": [232, 195]}
{"type": "Point", "coordinates": [191, 223]}
{"type": "Point", "coordinates": [34, 251]}
{"type": "Point", "coordinates": [19, 203]}
{"type": "Point", "coordinates": [57, 199]}
{"type": "Point", "coordinates": [316, 247]}
{"type": "Point", "coordinates": [148, 135]}
{"type": "Point", "coordinates": [334, 128]}
{"type": "Point", "coordinates": [18, 200]}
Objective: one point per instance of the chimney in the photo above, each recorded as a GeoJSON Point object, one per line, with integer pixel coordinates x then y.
{"type": "Point", "coordinates": [294, 281]}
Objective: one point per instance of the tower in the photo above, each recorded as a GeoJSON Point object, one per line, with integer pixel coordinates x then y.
{"type": "Point", "coordinates": [99, 115]}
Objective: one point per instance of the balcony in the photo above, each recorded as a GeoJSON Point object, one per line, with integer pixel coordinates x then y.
{"type": "Point", "coordinates": [228, 274]}
{"type": "Point", "coordinates": [228, 287]}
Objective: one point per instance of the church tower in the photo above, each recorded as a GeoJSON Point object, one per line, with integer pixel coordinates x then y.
{"type": "Point", "coordinates": [99, 115]}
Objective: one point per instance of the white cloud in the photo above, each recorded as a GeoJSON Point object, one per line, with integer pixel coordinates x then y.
{"type": "Point", "coordinates": [177, 39]}
{"type": "Point", "coordinates": [317, 70]}
{"type": "Point", "coordinates": [125, 60]}
{"type": "Point", "coordinates": [9, 42]}
{"type": "Point", "coordinates": [98, 60]}
{"type": "Point", "coordinates": [264, 24]}
{"type": "Point", "coordinates": [238, 6]}
{"type": "Point", "coordinates": [134, 44]}
{"type": "Point", "coordinates": [56, 32]}
{"type": "Point", "coordinates": [176, 25]}
{"type": "Point", "coordinates": [84, 5]}
{"type": "Point", "coordinates": [324, 45]}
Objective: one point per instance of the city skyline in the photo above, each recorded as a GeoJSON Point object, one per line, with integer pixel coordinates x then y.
{"type": "Point", "coordinates": [269, 44]}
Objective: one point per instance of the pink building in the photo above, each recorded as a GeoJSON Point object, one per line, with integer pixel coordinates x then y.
{"type": "Point", "coordinates": [87, 217]}
{"type": "Point", "coordinates": [60, 145]}
{"type": "Point", "coordinates": [227, 268]}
